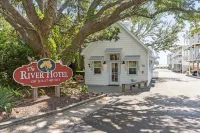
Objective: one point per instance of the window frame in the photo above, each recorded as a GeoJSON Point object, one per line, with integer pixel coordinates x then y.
{"type": "Point", "coordinates": [117, 55]}
{"type": "Point", "coordinates": [133, 67]}
{"type": "Point", "coordinates": [97, 67]}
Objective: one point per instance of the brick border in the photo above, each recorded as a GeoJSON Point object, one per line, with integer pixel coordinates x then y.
{"type": "Point", "coordinates": [40, 115]}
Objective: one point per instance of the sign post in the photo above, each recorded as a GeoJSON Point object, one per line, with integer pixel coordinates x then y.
{"type": "Point", "coordinates": [43, 73]}
{"type": "Point", "coordinates": [35, 93]}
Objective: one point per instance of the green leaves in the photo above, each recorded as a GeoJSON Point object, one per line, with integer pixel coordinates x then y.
{"type": "Point", "coordinates": [64, 23]}
{"type": "Point", "coordinates": [110, 33]}
{"type": "Point", "coordinates": [13, 53]}
{"type": "Point", "coordinates": [7, 99]}
{"type": "Point", "coordinates": [157, 33]}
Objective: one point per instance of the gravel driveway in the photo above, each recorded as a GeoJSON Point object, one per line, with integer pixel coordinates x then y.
{"type": "Point", "coordinates": [172, 106]}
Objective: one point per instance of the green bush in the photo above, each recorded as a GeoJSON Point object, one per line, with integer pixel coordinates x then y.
{"type": "Point", "coordinates": [8, 98]}
{"type": "Point", "coordinates": [13, 55]}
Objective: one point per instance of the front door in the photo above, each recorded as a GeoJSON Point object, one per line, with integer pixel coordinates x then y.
{"type": "Point", "coordinates": [114, 73]}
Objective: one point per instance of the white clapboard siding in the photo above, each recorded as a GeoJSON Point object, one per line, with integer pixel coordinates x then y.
{"type": "Point", "coordinates": [129, 47]}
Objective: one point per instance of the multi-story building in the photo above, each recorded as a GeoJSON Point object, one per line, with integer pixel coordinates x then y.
{"type": "Point", "coordinates": [176, 60]}
{"type": "Point", "coordinates": [192, 53]}
{"type": "Point", "coordinates": [169, 61]}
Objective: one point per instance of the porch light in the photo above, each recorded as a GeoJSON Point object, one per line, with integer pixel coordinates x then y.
{"type": "Point", "coordinates": [123, 62]}
{"type": "Point", "coordinates": [104, 62]}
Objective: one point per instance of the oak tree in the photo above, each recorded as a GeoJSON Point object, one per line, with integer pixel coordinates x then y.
{"type": "Point", "coordinates": [34, 20]}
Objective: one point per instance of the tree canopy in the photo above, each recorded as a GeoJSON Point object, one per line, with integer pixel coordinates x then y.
{"type": "Point", "coordinates": [36, 20]}
{"type": "Point", "coordinates": [157, 32]}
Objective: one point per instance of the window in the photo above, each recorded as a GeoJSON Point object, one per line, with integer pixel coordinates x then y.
{"type": "Point", "coordinates": [132, 67]}
{"type": "Point", "coordinates": [97, 67]}
{"type": "Point", "coordinates": [114, 57]}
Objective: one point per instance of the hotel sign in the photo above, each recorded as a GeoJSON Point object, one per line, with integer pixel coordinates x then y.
{"type": "Point", "coordinates": [43, 73]}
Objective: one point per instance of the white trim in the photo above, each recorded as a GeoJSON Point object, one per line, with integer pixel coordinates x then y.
{"type": "Point", "coordinates": [85, 49]}
{"type": "Point", "coordinates": [97, 67]}
{"type": "Point", "coordinates": [137, 71]}
{"type": "Point", "coordinates": [110, 72]}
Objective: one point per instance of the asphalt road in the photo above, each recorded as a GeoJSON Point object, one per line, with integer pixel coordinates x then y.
{"type": "Point", "coordinates": [172, 106]}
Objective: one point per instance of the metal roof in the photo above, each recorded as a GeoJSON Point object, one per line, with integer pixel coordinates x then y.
{"type": "Point", "coordinates": [113, 50]}
{"type": "Point", "coordinates": [132, 57]}
{"type": "Point", "coordinates": [97, 58]}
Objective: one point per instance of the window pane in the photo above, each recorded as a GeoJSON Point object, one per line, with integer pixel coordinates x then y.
{"type": "Point", "coordinates": [132, 63]}
{"type": "Point", "coordinates": [114, 57]}
{"type": "Point", "coordinates": [132, 70]}
{"type": "Point", "coordinates": [97, 63]}
{"type": "Point", "coordinates": [97, 70]}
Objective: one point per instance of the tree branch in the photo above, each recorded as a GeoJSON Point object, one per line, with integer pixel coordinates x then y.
{"type": "Point", "coordinates": [173, 9]}
{"type": "Point", "coordinates": [41, 4]}
{"type": "Point", "coordinates": [62, 8]}
{"type": "Point", "coordinates": [92, 7]}
{"type": "Point", "coordinates": [11, 10]}
{"type": "Point", "coordinates": [16, 26]}
{"type": "Point", "coordinates": [101, 11]}
{"type": "Point", "coordinates": [26, 33]}
{"type": "Point", "coordinates": [31, 13]}
{"type": "Point", "coordinates": [50, 14]}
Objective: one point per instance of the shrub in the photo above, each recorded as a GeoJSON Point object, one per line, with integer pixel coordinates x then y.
{"type": "Point", "coordinates": [13, 55]}
{"type": "Point", "coordinates": [42, 92]}
{"type": "Point", "coordinates": [8, 98]}
{"type": "Point", "coordinates": [84, 89]}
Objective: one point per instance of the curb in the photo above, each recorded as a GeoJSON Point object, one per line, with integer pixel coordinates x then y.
{"type": "Point", "coordinates": [193, 77]}
{"type": "Point", "coordinates": [40, 115]}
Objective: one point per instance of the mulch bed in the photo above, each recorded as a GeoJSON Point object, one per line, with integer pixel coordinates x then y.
{"type": "Point", "coordinates": [45, 103]}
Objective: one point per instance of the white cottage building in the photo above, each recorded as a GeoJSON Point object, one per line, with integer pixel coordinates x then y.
{"type": "Point", "coordinates": [120, 62]}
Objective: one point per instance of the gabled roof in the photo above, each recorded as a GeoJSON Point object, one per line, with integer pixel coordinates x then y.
{"type": "Point", "coordinates": [129, 32]}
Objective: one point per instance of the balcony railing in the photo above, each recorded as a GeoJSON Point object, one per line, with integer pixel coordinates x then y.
{"type": "Point", "coordinates": [194, 58]}
{"type": "Point", "coordinates": [185, 57]}
{"type": "Point", "coordinates": [198, 56]}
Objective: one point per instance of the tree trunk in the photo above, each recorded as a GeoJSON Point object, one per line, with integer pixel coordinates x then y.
{"type": "Point", "coordinates": [81, 62]}
{"type": "Point", "coordinates": [71, 51]}
{"type": "Point", "coordinates": [37, 42]}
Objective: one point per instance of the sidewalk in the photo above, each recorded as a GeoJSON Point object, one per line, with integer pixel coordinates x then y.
{"type": "Point", "coordinates": [57, 123]}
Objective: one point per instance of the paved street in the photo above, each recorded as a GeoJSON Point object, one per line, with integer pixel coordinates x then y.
{"type": "Point", "coordinates": [173, 105]}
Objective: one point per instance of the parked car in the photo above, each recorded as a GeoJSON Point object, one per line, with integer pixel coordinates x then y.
{"type": "Point", "coordinates": [194, 72]}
